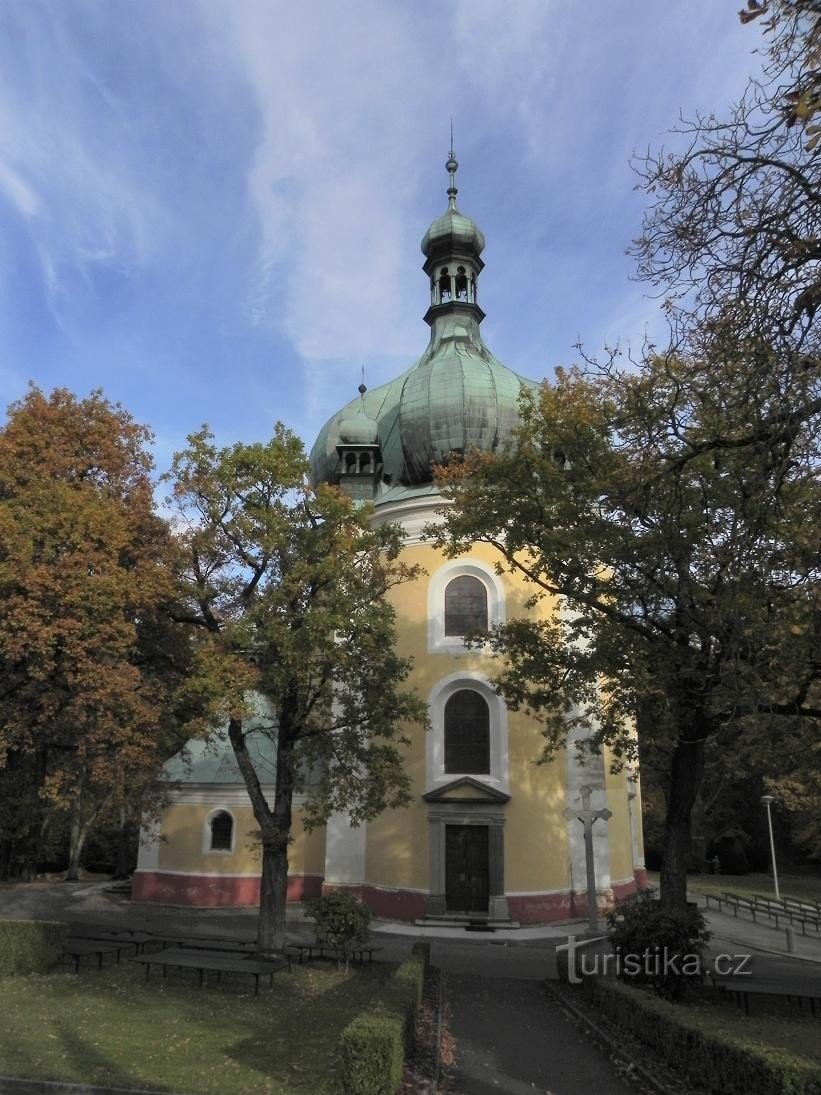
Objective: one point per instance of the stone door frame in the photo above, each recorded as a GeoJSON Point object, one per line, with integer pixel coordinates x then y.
{"type": "Point", "coordinates": [489, 814]}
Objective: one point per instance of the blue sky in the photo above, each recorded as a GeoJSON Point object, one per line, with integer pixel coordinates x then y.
{"type": "Point", "coordinates": [212, 209]}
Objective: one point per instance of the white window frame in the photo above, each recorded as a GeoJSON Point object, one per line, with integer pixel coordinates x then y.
{"type": "Point", "coordinates": [206, 836]}
{"type": "Point", "coordinates": [499, 775]}
{"type": "Point", "coordinates": [438, 641]}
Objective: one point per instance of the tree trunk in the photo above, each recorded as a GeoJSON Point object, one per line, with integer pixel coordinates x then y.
{"type": "Point", "coordinates": [127, 835]}
{"type": "Point", "coordinates": [274, 824]}
{"type": "Point", "coordinates": [77, 838]}
{"type": "Point", "coordinates": [685, 778]}
{"type": "Point", "coordinates": [273, 898]}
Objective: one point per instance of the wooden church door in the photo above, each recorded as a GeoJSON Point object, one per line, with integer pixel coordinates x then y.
{"type": "Point", "coordinates": [466, 868]}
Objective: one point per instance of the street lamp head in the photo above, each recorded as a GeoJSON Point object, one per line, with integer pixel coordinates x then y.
{"type": "Point", "coordinates": [767, 800]}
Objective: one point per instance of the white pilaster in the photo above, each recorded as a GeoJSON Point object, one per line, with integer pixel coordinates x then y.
{"type": "Point", "coordinates": [344, 851]}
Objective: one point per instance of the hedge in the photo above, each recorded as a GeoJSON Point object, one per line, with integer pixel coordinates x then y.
{"type": "Point", "coordinates": [373, 1054]}
{"type": "Point", "coordinates": [30, 946]}
{"type": "Point", "coordinates": [373, 1046]}
{"type": "Point", "coordinates": [721, 1062]}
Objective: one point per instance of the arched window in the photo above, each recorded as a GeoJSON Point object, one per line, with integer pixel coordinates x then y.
{"type": "Point", "coordinates": [465, 605]}
{"type": "Point", "coordinates": [461, 284]}
{"type": "Point", "coordinates": [467, 733]}
{"type": "Point", "coordinates": [222, 831]}
{"type": "Point", "coordinates": [444, 284]}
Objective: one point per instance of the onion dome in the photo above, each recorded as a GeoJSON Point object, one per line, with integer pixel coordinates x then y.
{"type": "Point", "coordinates": [460, 398]}
{"type": "Point", "coordinates": [453, 231]}
{"type": "Point", "coordinates": [359, 429]}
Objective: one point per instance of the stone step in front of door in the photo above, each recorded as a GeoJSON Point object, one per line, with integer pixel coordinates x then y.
{"type": "Point", "coordinates": [469, 923]}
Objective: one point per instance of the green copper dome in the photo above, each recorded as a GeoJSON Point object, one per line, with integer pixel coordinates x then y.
{"type": "Point", "coordinates": [456, 398]}
{"type": "Point", "coordinates": [359, 429]}
{"type": "Point", "coordinates": [453, 231]}
{"type": "Point", "coordinates": [459, 397]}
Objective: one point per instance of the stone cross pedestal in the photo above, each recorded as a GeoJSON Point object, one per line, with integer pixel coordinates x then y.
{"type": "Point", "coordinates": [587, 817]}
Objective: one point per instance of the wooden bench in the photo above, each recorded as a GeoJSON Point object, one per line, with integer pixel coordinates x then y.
{"type": "Point", "coordinates": [218, 946]}
{"type": "Point", "coordinates": [306, 951]}
{"type": "Point", "coordinates": [209, 961]}
{"type": "Point", "coordinates": [135, 939]}
{"type": "Point", "coordinates": [742, 989]}
{"type": "Point", "coordinates": [79, 948]}
{"type": "Point", "coordinates": [204, 942]}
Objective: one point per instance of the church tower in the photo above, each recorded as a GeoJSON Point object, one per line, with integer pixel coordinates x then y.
{"type": "Point", "coordinates": [486, 837]}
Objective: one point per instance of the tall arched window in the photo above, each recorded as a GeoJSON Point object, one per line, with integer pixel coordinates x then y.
{"type": "Point", "coordinates": [222, 831]}
{"type": "Point", "coordinates": [467, 733]}
{"type": "Point", "coordinates": [465, 605]}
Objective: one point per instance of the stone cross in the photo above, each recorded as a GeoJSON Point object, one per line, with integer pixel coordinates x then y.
{"type": "Point", "coordinates": [587, 817]}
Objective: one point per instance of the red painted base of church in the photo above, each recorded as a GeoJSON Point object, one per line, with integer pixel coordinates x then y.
{"type": "Point", "coordinates": [386, 904]}
{"type": "Point", "coordinates": [219, 891]}
{"type": "Point", "coordinates": [213, 891]}
{"type": "Point", "coordinates": [539, 908]}
{"type": "Point", "coordinates": [640, 875]}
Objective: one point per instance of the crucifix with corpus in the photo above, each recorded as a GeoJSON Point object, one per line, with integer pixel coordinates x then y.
{"type": "Point", "coordinates": [587, 816]}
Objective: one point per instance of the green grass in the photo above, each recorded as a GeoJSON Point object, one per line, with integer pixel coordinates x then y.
{"type": "Point", "coordinates": [772, 1022]}
{"type": "Point", "coordinates": [798, 887]}
{"type": "Point", "coordinates": [111, 1027]}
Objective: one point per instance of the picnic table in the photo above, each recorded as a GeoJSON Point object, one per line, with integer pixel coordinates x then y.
{"type": "Point", "coordinates": [209, 961]}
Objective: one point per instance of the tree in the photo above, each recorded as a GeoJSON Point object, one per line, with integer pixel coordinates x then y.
{"type": "Point", "coordinates": [89, 664]}
{"type": "Point", "coordinates": [672, 510]}
{"type": "Point", "coordinates": [673, 507]}
{"type": "Point", "coordinates": [286, 586]}
{"type": "Point", "coordinates": [733, 225]}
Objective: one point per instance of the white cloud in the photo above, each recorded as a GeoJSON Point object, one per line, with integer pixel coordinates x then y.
{"type": "Point", "coordinates": [18, 191]}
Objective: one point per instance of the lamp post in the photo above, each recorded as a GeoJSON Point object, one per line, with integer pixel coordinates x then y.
{"type": "Point", "coordinates": [767, 801]}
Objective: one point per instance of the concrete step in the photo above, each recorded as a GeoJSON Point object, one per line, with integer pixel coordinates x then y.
{"type": "Point", "coordinates": [469, 923]}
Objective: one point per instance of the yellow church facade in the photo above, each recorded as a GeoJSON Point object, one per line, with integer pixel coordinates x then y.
{"type": "Point", "coordinates": [485, 837]}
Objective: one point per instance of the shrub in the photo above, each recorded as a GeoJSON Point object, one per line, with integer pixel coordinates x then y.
{"type": "Point", "coordinates": [656, 946]}
{"type": "Point", "coordinates": [731, 849]}
{"type": "Point", "coordinates": [373, 1045]}
{"type": "Point", "coordinates": [706, 1056]}
{"type": "Point", "coordinates": [373, 1054]}
{"type": "Point", "coordinates": [342, 922]}
{"type": "Point", "coordinates": [30, 946]}
{"type": "Point", "coordinates": [410, 979]}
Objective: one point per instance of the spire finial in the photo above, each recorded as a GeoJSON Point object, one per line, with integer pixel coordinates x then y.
{"type": "Point", "coordinates": [362, 387]}
{"type": "Point", "coordinates": [451, 167]}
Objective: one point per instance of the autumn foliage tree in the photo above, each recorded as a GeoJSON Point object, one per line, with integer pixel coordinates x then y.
{"type": "Point", "coordinates": [286, 588]}
{"type": "Point", "coordinates": [90, 663]}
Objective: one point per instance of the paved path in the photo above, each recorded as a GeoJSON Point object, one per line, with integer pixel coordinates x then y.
{"type": "Point", "coordinates": [509, 1037]}
{"type": "Point", "coordinates": [509, 1034]}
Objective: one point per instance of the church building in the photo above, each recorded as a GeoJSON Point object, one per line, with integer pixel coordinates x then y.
{"type": "Point", "coordinates": [486, 836]}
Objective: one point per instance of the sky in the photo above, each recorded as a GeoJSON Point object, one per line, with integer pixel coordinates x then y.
{"type": "Point", "coordinates": [212, 209]}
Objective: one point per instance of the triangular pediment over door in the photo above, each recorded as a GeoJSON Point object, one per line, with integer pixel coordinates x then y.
{"type": "Point", "coordinates": [466, 789]}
